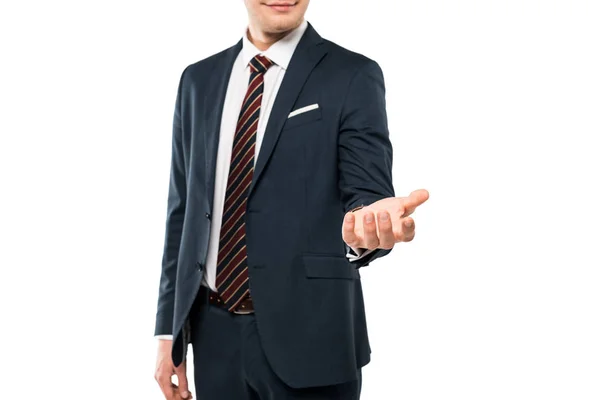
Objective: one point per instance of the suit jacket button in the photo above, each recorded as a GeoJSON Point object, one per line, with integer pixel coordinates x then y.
{"type": "Point", "coordinates": [199, 265]}
{"type": "Point", "coordinates": [207, 215]}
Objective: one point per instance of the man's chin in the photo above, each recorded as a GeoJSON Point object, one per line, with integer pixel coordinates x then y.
{"type": "Point", "coordinates": [283, 25]}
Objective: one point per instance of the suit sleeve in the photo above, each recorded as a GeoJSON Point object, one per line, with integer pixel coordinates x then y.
{"type": "Point", "coordinates": [174, 224]}
{"type": "Point", "coordinates": [364, 148]}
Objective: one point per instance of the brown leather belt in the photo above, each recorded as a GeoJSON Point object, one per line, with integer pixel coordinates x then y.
{"type": "Point", "coordinates": [245, 307]}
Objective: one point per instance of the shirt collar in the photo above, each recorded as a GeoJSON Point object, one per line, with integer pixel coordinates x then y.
{"type": "Point", "coordinates": [280, 52]}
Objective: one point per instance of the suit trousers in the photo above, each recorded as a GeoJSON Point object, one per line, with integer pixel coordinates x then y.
{"type": "Point", "coordinates": [230, 364]}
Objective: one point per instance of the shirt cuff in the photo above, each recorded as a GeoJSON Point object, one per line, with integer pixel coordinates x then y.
{"type": "Point", "coordinates": [358, 253]}
{"type": "Point", "coordinates": [164, 337]}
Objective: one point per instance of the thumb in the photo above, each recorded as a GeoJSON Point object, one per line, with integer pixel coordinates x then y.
{"type": "Point", "coordinates": [182, 381]}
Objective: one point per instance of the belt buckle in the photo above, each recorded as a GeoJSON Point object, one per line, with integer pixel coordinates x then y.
{"type": "Point", "coordinates": [240, 310]}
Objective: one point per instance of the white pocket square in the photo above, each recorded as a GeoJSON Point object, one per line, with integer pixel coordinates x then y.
{"type": "Point", "coordinates": [303, 110]}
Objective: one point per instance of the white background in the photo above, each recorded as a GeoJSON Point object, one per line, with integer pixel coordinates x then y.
{"type": "Point", "coordinates": [494, 107]}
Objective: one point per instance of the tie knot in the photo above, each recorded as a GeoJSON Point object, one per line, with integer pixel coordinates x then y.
{"type": "Point", "coordinates": [260, 64]}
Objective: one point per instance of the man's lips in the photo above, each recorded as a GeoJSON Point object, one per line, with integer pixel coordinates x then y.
{"type": "Point", "coordinates": [282, 7]}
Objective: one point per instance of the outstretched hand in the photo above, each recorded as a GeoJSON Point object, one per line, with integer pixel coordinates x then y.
{"type": "Point", "coordinates": [384, 223]}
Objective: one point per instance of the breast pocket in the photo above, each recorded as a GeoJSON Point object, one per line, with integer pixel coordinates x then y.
{"type": "Point", "coordinates": [302, 118]}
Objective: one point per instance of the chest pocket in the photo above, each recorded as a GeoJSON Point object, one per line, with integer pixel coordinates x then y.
{"type": "Point", "coordinates": [302, 118]}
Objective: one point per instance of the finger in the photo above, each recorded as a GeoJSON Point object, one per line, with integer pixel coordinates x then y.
{"type": "Point", "coordinates": [166, 386]}
{"type": "Point", "coordinates": [348, 233]}
{"type": "Point", "coordinates": [182, 381]}
{"type": "Point", "coordinates": [386, 233]}
{"type": "Point", "coordinates": [370, 227]}
{"type": "Point", "coordinates": [407, 229]}
{"type": "Point", "coordinates": [415, 199]}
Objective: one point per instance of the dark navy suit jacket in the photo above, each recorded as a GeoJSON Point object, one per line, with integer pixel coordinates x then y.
{"type": "Point", "coordinates": [312, 169]}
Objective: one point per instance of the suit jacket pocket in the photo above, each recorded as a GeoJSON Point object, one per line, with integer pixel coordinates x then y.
{"type": "Point", "coordinates": [303, 118]}
{"type": "Point", "coordinates": [328, 266]}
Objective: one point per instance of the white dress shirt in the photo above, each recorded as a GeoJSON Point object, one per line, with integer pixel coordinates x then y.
{"type": "Point", "coordinates": [280, 53]}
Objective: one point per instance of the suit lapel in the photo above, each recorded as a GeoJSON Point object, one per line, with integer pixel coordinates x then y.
{"type": "Point", "coordinates": [307, 55]}
{"type": "Point", "coordinates": [216, 90]}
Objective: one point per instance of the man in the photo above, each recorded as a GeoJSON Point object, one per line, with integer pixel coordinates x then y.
{"type": "Point", "coordinates": [280, 190]}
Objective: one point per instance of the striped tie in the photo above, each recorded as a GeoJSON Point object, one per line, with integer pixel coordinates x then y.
{"type": "Point", "coordinates": [232, 266]}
